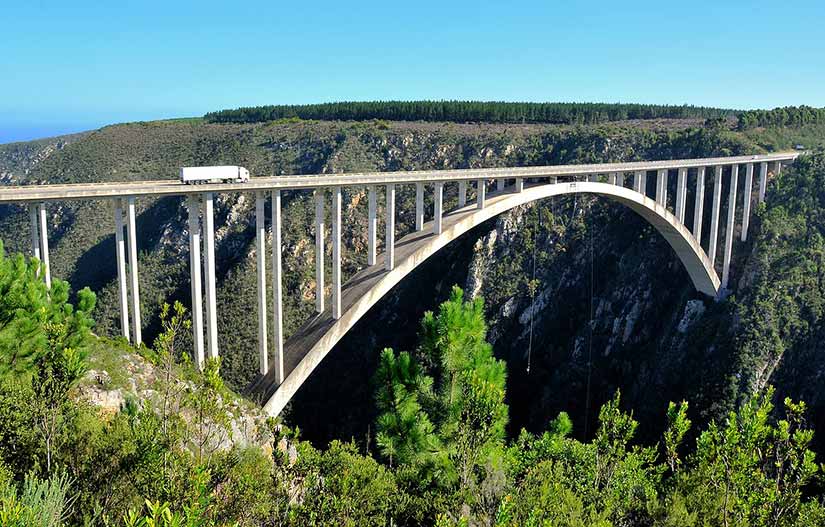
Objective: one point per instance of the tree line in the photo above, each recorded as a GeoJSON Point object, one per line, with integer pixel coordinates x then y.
{"type": "Point", "coordinates": [466, 111]}
{"type": "Point", "coordinates": [778, 117]}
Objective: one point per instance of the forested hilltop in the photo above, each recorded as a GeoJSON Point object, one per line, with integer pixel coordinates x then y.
{"type": "Point", "coordinates": [411, 452]}
{"type": "Point", "coordinates": [467, 111]}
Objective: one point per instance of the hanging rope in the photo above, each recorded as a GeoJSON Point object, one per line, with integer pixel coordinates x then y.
{"type": "Point", "coordinates": [533, 289]}
{"type": "Point", "coordinates": [590, 339]}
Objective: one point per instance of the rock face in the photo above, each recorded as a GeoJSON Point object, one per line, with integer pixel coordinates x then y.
{"type": "Point", "coordinates": [608, 302]}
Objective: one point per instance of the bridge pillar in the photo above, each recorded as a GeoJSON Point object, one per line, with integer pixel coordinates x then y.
{"type": "Point", "coordinates": [620, 179]}
{"type": "Point", "coordinates": [699, 204]}
{"type": "Point", "coordinates": [419, 206]}
{"type": "Point", "coordinates": [500, 183]}
{"type": "Point", "coordinates": [746, 207]}
{"type": "Point", "coordinates": [319, 250]}
{"type": "Point", "coordinates": [681, 191]}
{"type": "Point", "coordinates": [462, 194]}
{"type": "Point", "coordinates": [611, 178]}
{"type": "Point", "coordinates": [778, 168]}
{"type": "Point", "coordinates": [519, 184]}
{"type": "Point", "coordinates": [639, 181]}
{"type": "Point", "coordinates": [481, 191]}
{"type": "Point", "coordinates": [195, 281]}
{"type": "Point", "coordinates": [336, 252]}
{"type": "Point", "coordinates": [35, 236]}
{"type": "Point", "coordinates": [734, 179]}
{"type": "Point", "coordinates": [120, 253]}
{"type": "Point", "coordinates": [277, 293]}
{"type": "Point", "coordinates": [44, 245]}
{"type": "Point", "coordinates": [372, 226]}
{"type": "Point", "coordinates": [763, 181]}
{"type": "Point", "coordinates": [661, 188]}
{"type": "Point", "coordinates": [209, 271]}
{"type": "Point", "coordinates": [131, 236]}
{"type": "Point", "coordinates": [389, 261]}
{"type": "Point", "coordinates": [714, 214]}
{"type": "Point", "coordinates": [438, 206]}
{"type": "Point", "coordinates": [260, 253]}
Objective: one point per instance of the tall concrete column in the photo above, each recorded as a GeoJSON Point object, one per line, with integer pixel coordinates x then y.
{"type": "Point", "coordinates": [763, 181]}
{"type": "Point", "coordinates": [44, 246]}
{"type": "Point", "coordinates": [481, 193]}
{"type": "Point", "coordinates": [260, 252]}
{"type": "Point", "coordinates": [714, 214]}
{"type": "Point", "coordinates": [35, 235]}
{"type": "Point", "coordinates": [131, 236]}
{"type": "Point", "coordinates": [319, 250]}
{"type": "Point", "coordinates": [277, 292]}
{"type": "Point", "coordinates": [209, 272]}
{"type": "Point", "coordinates": [639, 181]}
{"type": "Point", "coordinates": [661, 188]}
{"type": "Point", "coordinates": [699, 204]}
{"type": "Point", "coordinates": [620, 179]}
{"type": "Point", "coordinates": [120, 254]}
{"type": "Point", "coordinates": [462, 194]}
{"type": "Point", "coordinates": [681, 190]}
{"type": "Point", "coordinates": [611, 178]}
{"type": "Point", "coordinates": [778, 168]}
{"type": "Point", "coordinates": [419, 206]}
{"type": "Point", "coordinates": [500, 184]}
{"type": "Point", "coordinates": [372, 226]}
{"type": "Point", "coordinates": [389, 261]}
{"type": "Point", "coordinates": [519, 184]}
{"type": "Point", "coordinates": [438, 207]}
{"type": "Point", "coordinates": [195, 281]}
{"type": "Point", "coordinates": [336, 253]}
{"type": "Point", "coordinates": [734, 178]}
{"type": "Point", "coordinates": [746, 206]}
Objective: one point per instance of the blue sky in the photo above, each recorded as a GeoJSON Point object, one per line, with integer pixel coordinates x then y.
{"type": "Point", "coordinates": [68, 66]}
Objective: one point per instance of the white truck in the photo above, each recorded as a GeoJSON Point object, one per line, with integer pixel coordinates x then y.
{"type": "Point", "coordinates": [201, 175]}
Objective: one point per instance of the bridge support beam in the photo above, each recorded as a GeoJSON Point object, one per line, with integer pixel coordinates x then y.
{"type": "Point", "coordinates": [619, 179]}
{"type": "Point", "coordinates": [195, 278]}
{"type": "Point", "coordinates": [699, 204]}
{"type": "Point", "coordinates": [438, 206]}
{"type": "Point", "coordinates": [372, 226]}
{"type": "Point", "coordinates": [389, 261]}
{"type": "Point", "coordinates": [336, 253]}
{"type": "Point", "coordinates": [260, 253]}
{"type": "Point", "coordinates": [462, 194]}
{"type": "Point", "coordinates": [519, 184]}
{"type": "Point", "coordinates": [681, 190]}
{"type": "Point", "coordinates": [661, 188]}
{"type": "Point", "coordinates": [120, 253]}
{"type": "Point", "coordinates": [481, 193]}
{"type": "Point", "coordinates": [746, 206]}
{"type": "Point", "coordinates": [763, 181]}
{"type": "Point", "coordinates": [778, 168]}
{"type": "Point", "coordinates": [714, 215]}
{"type": "Point", "coordinates": [35, 236]}
{"type": "Point", "coordinates": [209, 272]}
{"type": "Point", "coordinates": [639, 181]}
{"type": "Point", "coordinates": [419, 206]}
{"type": "Point", "coordinates": [277, 293]}
{"type": "Point", "coordinates": [319, 250]}
{"type": "Point", "coordinates": [44, 245]}
{"type": "Point", "coordinates": [734, 179]}
{"type": "Point", "coordinates": [131, 235]}
{"type": "Point", "coordinates": [500, 184]}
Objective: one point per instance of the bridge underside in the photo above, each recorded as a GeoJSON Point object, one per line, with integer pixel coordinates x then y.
{"type": "Point", "coordinates": [304, 350]}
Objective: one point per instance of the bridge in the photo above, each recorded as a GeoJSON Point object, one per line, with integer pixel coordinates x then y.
{"type": "Point", "coordinates": [294, 359]}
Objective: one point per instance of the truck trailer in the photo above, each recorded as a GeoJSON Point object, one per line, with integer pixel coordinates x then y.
{"type": "Point", "coordinates": [202, 175]}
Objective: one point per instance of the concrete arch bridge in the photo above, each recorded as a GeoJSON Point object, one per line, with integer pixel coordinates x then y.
{"type": "Point", "coordinates": [285, 364]}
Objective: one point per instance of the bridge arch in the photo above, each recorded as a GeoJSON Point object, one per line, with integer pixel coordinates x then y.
{"type": "Point", "coordinates": [306, 349]}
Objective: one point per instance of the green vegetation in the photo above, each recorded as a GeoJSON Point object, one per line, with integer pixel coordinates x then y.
{"type": "Point", "coordinates": [795, 116]}
{"type": "Point", "coordinates": [445, 459]}
{"type": "Point", "coordinates": [466, 111]}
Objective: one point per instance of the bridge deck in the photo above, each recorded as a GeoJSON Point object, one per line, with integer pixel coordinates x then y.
{"type": "Point", "coordinates": [300, 343]}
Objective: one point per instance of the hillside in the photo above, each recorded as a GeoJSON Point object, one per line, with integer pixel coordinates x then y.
{"type": "Point", "coordinates": [652, 335]}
